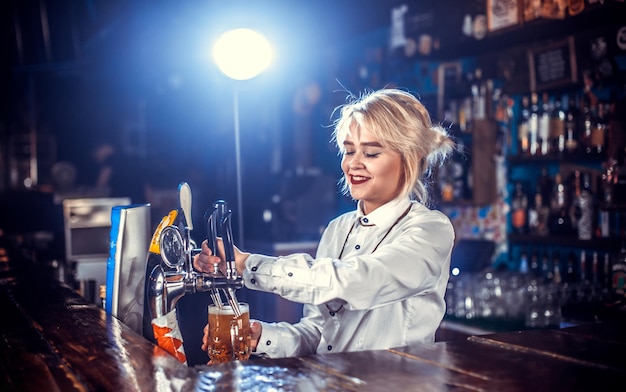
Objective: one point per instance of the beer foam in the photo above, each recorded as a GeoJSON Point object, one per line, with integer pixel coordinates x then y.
{"type": "Point", "coordinates": [228, 310]}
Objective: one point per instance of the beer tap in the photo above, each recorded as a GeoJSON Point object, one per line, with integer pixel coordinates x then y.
{"type": "Point", "coordinates": [170, 273]}
{"type": "Point", "coordinates": [219, 226]}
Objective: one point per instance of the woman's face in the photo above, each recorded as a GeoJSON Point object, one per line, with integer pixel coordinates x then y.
{"type": "Point", "coordinates": [372, 172]}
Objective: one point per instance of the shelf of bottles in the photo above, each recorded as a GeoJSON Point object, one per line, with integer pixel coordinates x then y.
{"type": "Point", "coordinates": [574, 186]}
{"type": "Point", "coordinates": [476, 112]}
{"type": "Point", "coordinates": [568, 188]}
{"type": "Point", "coordinates": [565, 187]}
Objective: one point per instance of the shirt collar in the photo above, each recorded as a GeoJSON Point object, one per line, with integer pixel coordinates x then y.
{"type": "Point", "coordinates": [385, 215]}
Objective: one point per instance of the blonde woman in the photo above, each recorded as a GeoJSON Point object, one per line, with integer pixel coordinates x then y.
{"type": "Point", "coordinates": [379, 276]}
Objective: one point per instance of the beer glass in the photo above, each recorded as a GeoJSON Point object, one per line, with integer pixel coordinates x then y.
{"type": "Point", "coordinates": [229, 335]}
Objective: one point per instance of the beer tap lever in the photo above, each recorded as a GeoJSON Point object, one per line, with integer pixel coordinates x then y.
{"type": "Point", "coordinates": [211, 228]}
{"type": "Point", "coordinates": [169, 270]}
{"type": "Point", "coordinates": [184, 198]}
{"type": "Point", "coordinates": [219, 225]}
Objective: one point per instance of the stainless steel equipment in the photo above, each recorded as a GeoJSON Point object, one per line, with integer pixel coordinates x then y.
{"type": "Point", "coordinates": [87, 224]}
{"type": "Point", "coordinates": [169, 271]}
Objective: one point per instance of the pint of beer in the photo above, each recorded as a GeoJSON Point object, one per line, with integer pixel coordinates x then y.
{"type": "Point", "coordinates": [229, 336]}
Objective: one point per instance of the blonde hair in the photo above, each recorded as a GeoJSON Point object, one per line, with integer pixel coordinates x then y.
{"type": "Point", "coordinates": [401, 123]}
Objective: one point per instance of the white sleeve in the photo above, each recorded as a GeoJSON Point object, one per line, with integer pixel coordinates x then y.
{"type": "Point", "coordinates": [413, 262]}
{"type": "Point", "coordinates": [283, 339]}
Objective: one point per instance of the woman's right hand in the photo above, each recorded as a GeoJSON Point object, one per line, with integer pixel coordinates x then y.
{"type": "Point", "coordinates": [207, 258]}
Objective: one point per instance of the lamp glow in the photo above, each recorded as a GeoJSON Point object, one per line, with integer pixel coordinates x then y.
{"type": "Point", "coordinates": [242, 54]}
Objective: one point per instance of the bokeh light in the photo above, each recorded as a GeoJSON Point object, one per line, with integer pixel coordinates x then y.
{"type": "Point", "coordinates": [242, 54]}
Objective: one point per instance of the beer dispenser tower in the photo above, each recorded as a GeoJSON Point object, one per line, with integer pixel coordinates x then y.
{"type": "Point", "coordinates": [169, 270]}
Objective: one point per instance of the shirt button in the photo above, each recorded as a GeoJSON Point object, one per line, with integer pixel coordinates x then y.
{"type": "Point", "coordinates": [290, 274]}
{"type": "Point", "coordinates": [268, 342]}
{"type": "Point", "coordinates": [329, 347]}
{"type": "Point", "coordinates": [365, 220]}
{"type": "Point", "coordinates": [253, 281]}
{"type": "Point", "coordinates": [357, 247]}
{"type": "Point", "coordinates": [332, 314]}
{"type": "Point", "coordinates": [254, 269]}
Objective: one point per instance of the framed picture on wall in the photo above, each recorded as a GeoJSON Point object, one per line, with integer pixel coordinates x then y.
{"type": "Point", "coordinates": [502, 14]}
{"type": "Point", "coordinates": [448, 77]}
{"type": "Point", "coordinates": [552, 65]}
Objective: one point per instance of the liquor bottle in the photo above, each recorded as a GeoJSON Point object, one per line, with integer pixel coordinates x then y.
{"type": "Point", "coordinates": [556, 263]}
{"type": "Point", "coordinates": [560, 220]}
{"type": "Point", "coordinates": [532, 212]}
{"type": "Point", "coordinates": [544, 125]}
{"type": "Point", "coordinates": [465, 108]}
{"type": "Point", "coordinates": [606, 272]}
{"type": "Point", "coordinates": [545, 184]}
{"type": "Point", "coordinates": [479, 95]}
{"type": "Point", "coordinates": [538, 214]}
{"type": "Point", "coordinates": [533, 125]}
{"type": "Point", "coordinates": [595, 272]}
{"type": "Point", "coordinates": [557, 128]}
{"type": "Point", "coordinates": [598, 130]}
{"type": "Point", "coordinates": [618, 273]}
{"type": "Point", "coordinates": [582, 268]}
{"type": "Point", "coordinates": [584, 139]}
{"type": "Point", "coordinates": [523, 263]}
{"type": "Point", "coordinates": [572, 121]}
{"type": "Point", "coordinates": [570, 272]}
{"type": "Point", "coordinates": [607, 181]}
{"type": "Point", "coordinates": [534, 264]}
{"type": "Point", "coordinates": [547, 273]}
{"type": "Point", "coordinates": [519, 206]}
{"type": "Point", "coordinates": [583, 205]}
{"type": "Point", "coordinates": [522, 127]}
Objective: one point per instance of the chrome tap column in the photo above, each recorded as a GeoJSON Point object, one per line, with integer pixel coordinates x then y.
{"type": "Point", "coordinates": [169, 270]}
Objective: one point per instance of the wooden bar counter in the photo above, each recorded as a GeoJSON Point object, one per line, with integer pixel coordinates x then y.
{"type": "Point", "coordinates": [54, 340]}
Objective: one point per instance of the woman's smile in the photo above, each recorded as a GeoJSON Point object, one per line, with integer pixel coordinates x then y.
{"type": "Point", "coordinates": [372, 170]}
{"type": "Point", "coordinates": [357, 180]}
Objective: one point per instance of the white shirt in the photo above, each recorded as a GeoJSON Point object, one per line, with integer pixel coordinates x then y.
{"type": "Point", "coordinates": [385, 290]}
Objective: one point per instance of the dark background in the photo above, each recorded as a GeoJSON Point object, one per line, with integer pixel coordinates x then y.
{"type": "Point", "coordinates": [138, 75]}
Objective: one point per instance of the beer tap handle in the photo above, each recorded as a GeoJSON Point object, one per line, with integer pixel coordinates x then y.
{"type": "Point", "coordinates": [211, 237]}
{"type": "Point", "coordinates": [222, 218]}
{"type": "Point", "coordinates": [211, 230]}
{"type": "Point", "coordinates": [184, 196]}
{"type": "Point", "coordinates": [223, 215]}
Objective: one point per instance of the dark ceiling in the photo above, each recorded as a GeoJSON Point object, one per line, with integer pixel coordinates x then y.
{"type": "Point", "coordinates": [53, 31]}
{"type": "Point", "coordinates": [138, 38]}
{"type": "Point", "coordinates": [74, 67]}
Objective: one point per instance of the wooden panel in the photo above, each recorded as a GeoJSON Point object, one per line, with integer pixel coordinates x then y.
{"type": "Point", "coordinates": [388, 371]}
{"type": "Point", "coordinates": [485, 134]}
{"type": "Point", "coordinates": [55, 338]}
{"type": "Point", "coordinates": [564, 346]}
{"type": "Point", "coordinates": [512, 370]}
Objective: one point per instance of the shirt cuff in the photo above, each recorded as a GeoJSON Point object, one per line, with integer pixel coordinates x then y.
{"type": "Point", "coordinates": [257, 265]}
{"type": "Point", "coordinates": [268, 342]}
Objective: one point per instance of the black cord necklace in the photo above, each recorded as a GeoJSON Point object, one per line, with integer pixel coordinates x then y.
{"type": "Point", "coordinates": [343, 247]}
